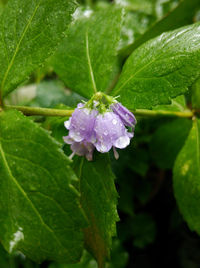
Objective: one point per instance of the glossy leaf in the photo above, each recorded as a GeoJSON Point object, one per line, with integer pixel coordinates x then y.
{"type": "Point", "coordinates": [86, 60]}
{"type": "Point", "coordinates": [161, 69]}
{"type": "Point", "coordinates": [187, 178]}
{"type": "Point", "coordinates": [29, 32]}
{"type": "Point", "coordinates": [98, 200]}
{"type": "Point", "coordinates": [39, 208]}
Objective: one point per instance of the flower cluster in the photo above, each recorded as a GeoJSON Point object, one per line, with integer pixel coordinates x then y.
{"type": "Point", "coordinates": [92, 126]}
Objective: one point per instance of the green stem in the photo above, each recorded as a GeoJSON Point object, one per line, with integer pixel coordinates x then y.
{"type": "Point", "coordinates": [40, 111]}
{"type": "Point", "coordinates": [153, 113]}
{"type": "Point", "coordinates": [62, 113]}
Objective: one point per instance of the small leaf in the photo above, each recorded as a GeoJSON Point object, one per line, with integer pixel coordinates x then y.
{"type": "Point", "coordinates": [29, 33]}
{"type": "Point", "coordinates": [98, 199]}
{"type": "Point", "coordinates": [40, 213]}
{"type": "Point", "coordinates": [90, 65]}
{"type": "Point", "coordinates": [187, 178]}
{"type": "Point", "coordinates": [177, 104]}
{"type": "Point", "coordinates": [161, 69]}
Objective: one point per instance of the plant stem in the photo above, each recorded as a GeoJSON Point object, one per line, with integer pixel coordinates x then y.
{"type": "Point", "coordinates": [62, 113]}
{"type": "Point", "coordinates": [153, 113]}
{"type": "Point", "coordinates": [40, 111]}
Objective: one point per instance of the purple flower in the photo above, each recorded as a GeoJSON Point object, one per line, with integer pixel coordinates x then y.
{"type": "Point", "coordinates": [82, 149]}
{"type": "Point", "coordinates": [110, 132]}
{"type": "Point", "coordinates": [81, 124]}
{"type": "Point", "coordinates": [125, 115]}
{"type": "Point", "coordinates": [89, 129]}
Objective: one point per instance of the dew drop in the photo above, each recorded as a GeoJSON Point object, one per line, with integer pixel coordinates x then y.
{"type": "Point", "coordinates": [122, 142]}
{"type": "Point", "coordinates": [76, 136]}
{"type": "Point", "coordinates": [103, 148]}
{"type": "Point", "coordinates": [17, 237]}
{"type": "Point", "coordinates": [114, 121]}
{"type": "Point", "coordinates": [67, 124]}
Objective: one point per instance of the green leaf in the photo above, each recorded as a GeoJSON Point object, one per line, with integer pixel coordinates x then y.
{"type": "Point", "coordinates": [49, 94]}
{"type": "Point", "coordinates": [39, 208]}
{"type": "Point", "coordinates": [134, 25]}
{"type": "Point", "coordinates": [4, 257]}
{"type": "Point", "coordinates": [29, 32]}
{"type": "Point", "coordinates": [178, 104]}
{"type": "Point", "coordinates": [179, 16]}
{"type": "Point", "coordinates": [161, 69]}
{"type": "Point", "coordinates": [145, 6]}
{"type": "Point", "coordinates": [187, 178]}
{"type": "Point", "coordinates": [86, 262]}
{"type": "Point", "coordinates": [98, 200]}
{"type": "Point", "coordinates": [168, 140]}
{"type": "Point", "coordinates": [52, 92]}
{"type": "Point", "coordinates": [119, 259]}
{"type": "Point", "coordinates": [196, 95]}
{"type": "Point", "coordinates": [86, 60]}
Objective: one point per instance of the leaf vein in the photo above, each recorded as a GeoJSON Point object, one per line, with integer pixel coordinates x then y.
{"type": "Point", "coordinates": [27, 198]}
{"type": "Point", "coordinates": [18, 46]}
{"type": "Point", "coordinates": [89, 63]}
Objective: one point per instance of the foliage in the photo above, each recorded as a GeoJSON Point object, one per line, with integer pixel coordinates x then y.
{"type": "Point", "coordinates": [59, 212]}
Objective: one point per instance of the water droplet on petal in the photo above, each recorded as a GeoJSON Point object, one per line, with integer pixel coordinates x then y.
{"type": "Point", "coordinates": [67, 124]}
{"type": "Point", "coordinates": [122, 142]}
{"type": "Point", "coordinates": [75, 135]}
{"type": "Point", "coordinates": [103, 148]}
{"type": "Point", "coordinates": [114, 121]}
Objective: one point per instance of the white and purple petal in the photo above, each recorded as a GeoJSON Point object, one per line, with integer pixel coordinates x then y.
{"type": "Point", "coordinates": [83, 149]}
{"type": "Point", "coordinates": [110, 131]}
{"type": "Point", "coordinates": [125, 115]}
{"type": "Point", "coordinates": [81, 124]}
